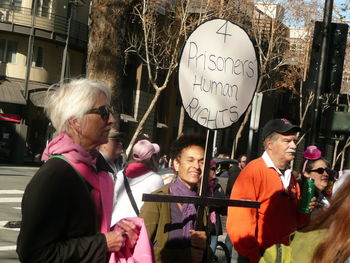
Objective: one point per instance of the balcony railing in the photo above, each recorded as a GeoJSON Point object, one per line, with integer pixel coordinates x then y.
{"type": "Point", "coordinates": [46, 21]}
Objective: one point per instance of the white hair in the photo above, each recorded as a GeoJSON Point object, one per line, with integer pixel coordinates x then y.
{"type": "Point", "coordinates": [72, 99]}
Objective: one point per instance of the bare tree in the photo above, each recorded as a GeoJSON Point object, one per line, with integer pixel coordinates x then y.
{"type": "Point", "coordinates": [277, 64]}
{"type": "Point", "coordinates": [342, 144]}
{"type": "Point", "coordinates": [156, 47]}
{"type": "Point", "coordinates": [341, 10]}
{"type": "Point", "coordinates": [270, 36]}
{"type": "Point", "coordinates": [163, 28]}
{"type": "Point", "coordinates": [159, 29]}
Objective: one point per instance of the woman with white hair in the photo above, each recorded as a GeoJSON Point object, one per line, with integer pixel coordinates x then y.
{"type": "Point", "coordinates": [66, 207]}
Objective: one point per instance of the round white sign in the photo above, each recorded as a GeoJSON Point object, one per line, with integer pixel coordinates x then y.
{"type": "Point", "coordinates": [218, 74]}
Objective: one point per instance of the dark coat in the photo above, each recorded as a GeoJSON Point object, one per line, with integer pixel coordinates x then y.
{"type": "Point", "coordinates": [218, 192]}
{"type": "Point", "coordinates": [59, 222]}
{"type": "Point", "coordinates": [102, 165]}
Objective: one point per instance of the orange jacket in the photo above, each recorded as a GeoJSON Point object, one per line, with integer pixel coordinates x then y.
{"type": "Point", "coordinates": [253, 230]}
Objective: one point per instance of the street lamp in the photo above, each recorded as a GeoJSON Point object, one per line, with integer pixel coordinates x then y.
{"type": "Point", "coordinates": [30, 51]}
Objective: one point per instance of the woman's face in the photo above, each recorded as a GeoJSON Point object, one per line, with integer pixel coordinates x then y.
{"type": "Point", "coordinates": [94, 129]}
{"type": "Point", "coordinates": [321, 180]}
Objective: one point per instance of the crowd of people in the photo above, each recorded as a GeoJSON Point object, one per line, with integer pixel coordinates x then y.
{"type": "Point", "coordinates": [85, 203]}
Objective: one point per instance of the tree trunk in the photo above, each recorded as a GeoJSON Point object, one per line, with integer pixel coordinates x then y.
{"type": "Point", "coordinates": [143, 120]}
{"type": "Point", "coordinates": [181, 122]}
{"type": "Point", "coordinates": [240, 130]}
{"type": "Point", "coordinates": [105, 60]}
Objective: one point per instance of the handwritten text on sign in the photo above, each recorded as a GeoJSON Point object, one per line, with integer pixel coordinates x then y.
{"type": "Point", "coordinates": [217, 74]}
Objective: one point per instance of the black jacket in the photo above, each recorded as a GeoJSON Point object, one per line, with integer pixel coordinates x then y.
{"type": "Point", "coordinates": [59, 222]}
{"type": "Point", "coordinates": [102, 165]}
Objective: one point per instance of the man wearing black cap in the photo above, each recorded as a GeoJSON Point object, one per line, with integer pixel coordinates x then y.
{"type": "Point", "coordinates": [268, 180]}
{"type": "Point", "coordinates": [109, 154]}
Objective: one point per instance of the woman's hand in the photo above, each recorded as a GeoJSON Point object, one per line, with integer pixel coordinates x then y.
{"type": "Point", "coordinates": [131, 231]}
{"type": "Point", "coordinates": [115, 240]}
{"type": "Point", "coordinates": [198, 245]}
{"type": "Point", "coordinates": [312, 204]}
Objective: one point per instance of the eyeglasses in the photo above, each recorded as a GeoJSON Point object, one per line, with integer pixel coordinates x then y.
{"type": "Point", "coordinates": [213, 168]}
{"type": "Point", "coordinates": [321, 170]}
{"type": "Point", "coordinates": [104, 111]}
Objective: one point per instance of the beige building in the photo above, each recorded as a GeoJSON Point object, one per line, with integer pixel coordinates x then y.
{"type": "Point", "coordinates": [23, 127]}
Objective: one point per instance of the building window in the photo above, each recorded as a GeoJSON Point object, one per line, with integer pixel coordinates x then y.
{"type": "Point", "coordinates": [297, 49]}
{"type": "Point", "coordinates": [12, 4]}
{"type": "Point", "coordinates": [37, 60]}
{"type": "Point", "coordinates": [42, 7]}
{"type": "Point", "coordinates": [2, 49]}
{"type": "Point", "coordinates": [8, 51]}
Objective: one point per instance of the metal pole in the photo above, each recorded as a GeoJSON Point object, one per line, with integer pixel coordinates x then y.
{"type": "Point", "coordinates": [214, 144]}
{"type": "Point", "coordinates": [233, 149]}
{"type": "Point", "coordinates": [254, 121]}
{"type": "Point", "coordinates": [30, 51]}
{"type": "Point", "coordinates": [250, 144]}
{"type": "Point", "coordinates": [321, 78]}
{"type": "Point", "coordinates": [65, 51]}
{"type": "Point", "coordinates": [204, 181]}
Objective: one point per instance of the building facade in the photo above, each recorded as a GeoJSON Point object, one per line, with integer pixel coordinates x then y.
{"type": "Point", "coordinates": [41, 39]}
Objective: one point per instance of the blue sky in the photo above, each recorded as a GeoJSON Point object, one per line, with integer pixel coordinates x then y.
{"type": "Point", "coordinates": [321, 3]}
{"type": "Point", "coordinates": [347, 13]}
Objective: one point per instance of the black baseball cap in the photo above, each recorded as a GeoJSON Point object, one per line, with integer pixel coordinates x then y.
{"type": "Point", "coordinates": [279, 126]}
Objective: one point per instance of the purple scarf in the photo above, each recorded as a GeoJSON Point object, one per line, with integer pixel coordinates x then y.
{"type": "Point", "coordinates": [179, 188]}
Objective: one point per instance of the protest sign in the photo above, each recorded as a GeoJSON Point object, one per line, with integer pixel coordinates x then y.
{"type": "Point", "coordinates": [218, 73]}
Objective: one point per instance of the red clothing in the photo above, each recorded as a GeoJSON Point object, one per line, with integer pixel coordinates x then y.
{"type": "Point", "coordinates": [253, 230]}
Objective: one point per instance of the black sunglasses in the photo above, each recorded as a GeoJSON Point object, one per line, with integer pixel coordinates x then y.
{"type": "Point", "coordinates": [321, 170]}
{"type": "Point", "coordinates": [104, 111]}
{"type": "Point", "coordinates": [213, 168]}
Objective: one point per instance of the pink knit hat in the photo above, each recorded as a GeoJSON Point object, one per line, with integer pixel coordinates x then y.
{"type": "Point", "coordinates": [144, 149]}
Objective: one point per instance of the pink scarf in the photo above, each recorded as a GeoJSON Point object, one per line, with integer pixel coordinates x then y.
{"type": "Point", "coordinates": [84, 163]}
{"type": "Point", "coordinates": [136, 169]}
